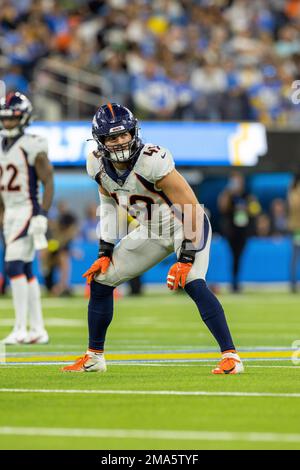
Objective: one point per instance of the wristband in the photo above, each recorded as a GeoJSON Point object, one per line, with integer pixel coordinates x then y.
{"type": "Point", "coordinates": [187, 255]}
{"type": "Point", "coordinates": [106, 249]}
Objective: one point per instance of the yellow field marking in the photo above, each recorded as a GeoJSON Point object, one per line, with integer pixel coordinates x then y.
{"type": "Point", "coordinates": [155, 356]}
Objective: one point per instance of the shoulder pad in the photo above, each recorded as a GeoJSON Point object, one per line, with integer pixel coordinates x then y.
{"type": "Point", "coordinates": [33, 145]}
{"type": "Point", "coordinates": [94, 165]}
{"type": "Point", "coordinates": [155, 162]}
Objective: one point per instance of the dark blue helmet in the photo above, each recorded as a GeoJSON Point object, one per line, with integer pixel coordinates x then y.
{"type": "Point", "coordinates": [15, 105]}
{"type": "Point", "coordinates": [113, 119]}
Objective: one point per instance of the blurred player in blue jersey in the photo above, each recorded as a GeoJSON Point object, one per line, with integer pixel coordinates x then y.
{"type": "Point", "coordinates": [142, 179]}
{"type": "Point", "coordinates": [23, 164]}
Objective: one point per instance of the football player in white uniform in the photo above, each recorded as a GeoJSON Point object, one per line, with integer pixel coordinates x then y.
{"type": "Point", "coordinates": [23, 164]}
{"type": "Point", "coordinates": [170, 220]}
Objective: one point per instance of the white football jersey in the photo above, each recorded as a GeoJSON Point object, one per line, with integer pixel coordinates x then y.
{"type": "Point", "coordinates": [18, 179]}
{"type": "Point", "coordinates": [138, 186]}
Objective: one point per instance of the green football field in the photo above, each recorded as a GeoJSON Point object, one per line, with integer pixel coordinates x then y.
{"type": "Point", "coordinates": [158, 392]}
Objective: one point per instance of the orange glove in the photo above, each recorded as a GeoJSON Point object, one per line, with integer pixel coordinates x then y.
{"type": "Point", "coordinates": [99, 266]}
{"type": "Point", "coordinates": [178, 274]}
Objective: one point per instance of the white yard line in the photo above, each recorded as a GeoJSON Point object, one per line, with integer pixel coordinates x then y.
{"type": "Point", "coordinates": [80, 302]}
{"type": "Point", "coordinates": [151, 434]}
{"type": "Point", "coordinates": [163, 363]}
{"type": "Point", "coordinates": [6, 304]}
{"type": "Point", "coordinates": [195, 393]}
{"type": "Point", "coordinates": [71, 322]}
{"type": "Point", "coordinates": [54, 322]}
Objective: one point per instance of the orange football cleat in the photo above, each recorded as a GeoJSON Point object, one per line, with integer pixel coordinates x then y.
{"type": "Point", "coordinates": [229, 364]}
{"type": "Point", "coordinates": [87, 363]}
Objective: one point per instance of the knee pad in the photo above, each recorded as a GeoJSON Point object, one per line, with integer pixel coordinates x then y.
{"type": "Point", "coordinates": [14, 268]}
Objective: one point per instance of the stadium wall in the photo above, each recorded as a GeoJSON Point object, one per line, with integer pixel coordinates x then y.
{"type": "Point", "coordinates": [259, 259]}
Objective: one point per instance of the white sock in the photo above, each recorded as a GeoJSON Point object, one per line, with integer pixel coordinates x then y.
{"type": "Point", "coordinates": [35, 306]}
{"type": "Point", "coordinates": [19, 289]}
{"type": "Point", "coordinates": [91, 353]}
{"type": "Point", "coordinates": [231, 355]}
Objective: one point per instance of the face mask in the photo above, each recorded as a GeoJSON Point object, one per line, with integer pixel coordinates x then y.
{"type": "Point", "coordinates": [120, 155]}
{"type": "Point", "coordinates": [10, 133]}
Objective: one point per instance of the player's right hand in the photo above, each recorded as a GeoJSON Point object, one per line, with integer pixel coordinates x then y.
{"type": "Point", "coordinates": [100, 266]}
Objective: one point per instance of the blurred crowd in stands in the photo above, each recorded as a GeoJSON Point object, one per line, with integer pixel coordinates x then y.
{"type": "Point", "coordinates": [167, 59]}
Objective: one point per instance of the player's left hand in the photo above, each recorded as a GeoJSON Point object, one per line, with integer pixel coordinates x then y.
{"type": "Point", "coordinates": [178, 274]}
{"type": "Point", "coordinates": [99, 266]}
{"type": "Point", "coordinates": [38, 225]}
